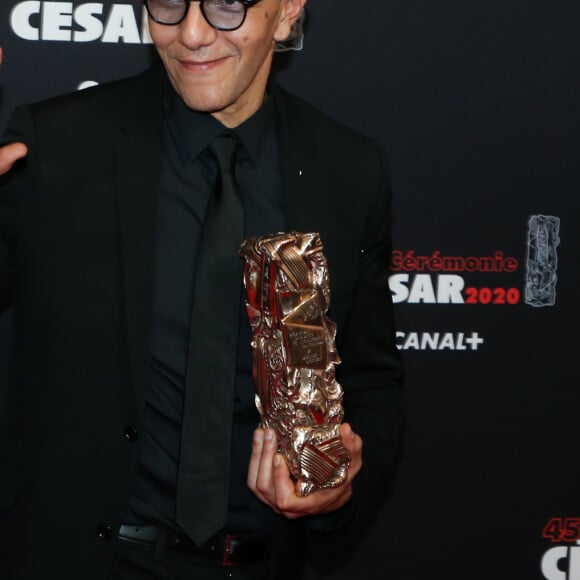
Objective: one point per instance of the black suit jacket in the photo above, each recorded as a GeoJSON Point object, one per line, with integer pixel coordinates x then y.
{"type": "Point", "coordinates": [76, 236]}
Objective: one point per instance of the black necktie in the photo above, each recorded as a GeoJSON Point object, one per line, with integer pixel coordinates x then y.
{"type": "Point", "coordinates": [204, 465]}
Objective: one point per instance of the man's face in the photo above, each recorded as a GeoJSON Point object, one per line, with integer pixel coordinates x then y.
{"type": "Point", "coordinates": [223, 73]}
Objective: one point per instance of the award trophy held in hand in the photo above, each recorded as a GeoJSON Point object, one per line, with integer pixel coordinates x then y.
{"type": "Point", "coordinates": [294, 355]}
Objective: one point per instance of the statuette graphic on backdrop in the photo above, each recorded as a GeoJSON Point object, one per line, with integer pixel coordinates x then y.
{"type": "Point", "coordinates": [542, 261]}
{"type": "Point", "coordinates": [294, 355]}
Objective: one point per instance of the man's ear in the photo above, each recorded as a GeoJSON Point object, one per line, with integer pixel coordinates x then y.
{"type": "Point", "coordinates": [289, 13]}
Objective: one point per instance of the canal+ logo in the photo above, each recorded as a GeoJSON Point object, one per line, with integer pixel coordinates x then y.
{"type": "Point", "coordinates": [36, 20]}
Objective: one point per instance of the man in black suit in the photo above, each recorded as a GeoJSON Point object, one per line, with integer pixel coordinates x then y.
{"type": "Point", "coordinates": [99, 230]}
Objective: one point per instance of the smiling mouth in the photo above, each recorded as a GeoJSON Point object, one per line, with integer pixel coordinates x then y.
{"type": "Point", "coordinates": [195, 66]}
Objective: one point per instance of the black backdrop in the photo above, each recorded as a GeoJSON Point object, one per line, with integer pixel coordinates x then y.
{"type": "Point", "coordinates": [477, 104]}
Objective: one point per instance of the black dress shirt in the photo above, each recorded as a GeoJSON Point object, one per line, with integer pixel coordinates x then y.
{"type": "Point", "coordinates": [187, 178]}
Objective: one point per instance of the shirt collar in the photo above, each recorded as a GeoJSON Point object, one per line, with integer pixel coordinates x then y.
{"type": "Point", "coordinates": [196, 130]}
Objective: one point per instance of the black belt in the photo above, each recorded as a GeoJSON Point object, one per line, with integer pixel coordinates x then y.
{"type": "Point", "coordinates": [228, 549]}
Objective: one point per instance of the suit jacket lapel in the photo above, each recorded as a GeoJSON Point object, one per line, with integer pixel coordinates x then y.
{"type": "Point", "coordinates": [138, 158]}
{"type": "Point", "coordinates": [297, 154]}
{"type": "Point", "coordinates": [303, 180]}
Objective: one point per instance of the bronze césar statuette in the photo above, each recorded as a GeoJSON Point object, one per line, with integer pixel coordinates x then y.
{"type": "Point", "coordinates": [294, 355]}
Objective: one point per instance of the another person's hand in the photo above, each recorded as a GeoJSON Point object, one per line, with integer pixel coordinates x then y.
{"type": "Point", "coordinates": [269, 478]}
{"type": "Point", "coordinates": [9, 154]}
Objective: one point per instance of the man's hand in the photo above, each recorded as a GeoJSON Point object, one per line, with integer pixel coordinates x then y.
{"type": "Point", "coordinates": [9, 154]}
{"type": "Point", "coordinates": [269, 478]}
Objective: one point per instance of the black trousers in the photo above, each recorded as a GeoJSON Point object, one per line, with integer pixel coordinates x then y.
{"type": "Point", "coordinates": [134, 561]}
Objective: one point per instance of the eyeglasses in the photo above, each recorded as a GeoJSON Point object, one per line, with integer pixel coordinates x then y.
{"type": "Point", "coordinates": [219, 14]}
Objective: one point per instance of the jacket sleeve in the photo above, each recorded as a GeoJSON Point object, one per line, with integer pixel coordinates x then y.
{"type": "Point", "coordinates": [371, 374]}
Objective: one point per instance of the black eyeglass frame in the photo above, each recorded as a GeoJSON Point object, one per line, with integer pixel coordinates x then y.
{"type": "Point", "coordinates": [246, 4]}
